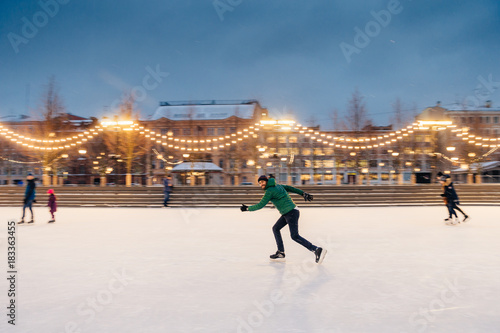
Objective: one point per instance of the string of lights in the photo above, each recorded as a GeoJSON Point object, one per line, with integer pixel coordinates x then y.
{"type": "Point", "coordinates": [210, 143]}
{"type": "Point", "coordinates": [19, 162]}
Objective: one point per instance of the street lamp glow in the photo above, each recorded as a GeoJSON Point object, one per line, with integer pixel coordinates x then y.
{"type": "Point", "coordinates": [434, 122]}
{"type": "Point", "coordinates": [450, 148]}
{"type": "Point", "coordinates": [82, 151]}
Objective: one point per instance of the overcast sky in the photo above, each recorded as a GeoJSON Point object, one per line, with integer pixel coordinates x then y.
{"type": "Point", "coordinates": [305, 57]}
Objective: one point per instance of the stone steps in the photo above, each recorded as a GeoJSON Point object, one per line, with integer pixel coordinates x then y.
{"type": "Point", "coordinates": [233, 196]}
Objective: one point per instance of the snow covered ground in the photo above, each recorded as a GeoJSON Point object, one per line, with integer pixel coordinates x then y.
{"type": "Point", "coordinates": [396, 269]}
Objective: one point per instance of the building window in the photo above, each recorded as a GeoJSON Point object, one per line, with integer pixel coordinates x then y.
{"type": "Point", "coordinates": [495, 120]}
{"type": "Point", "coordinates": [210, 131]}
{"type": "Point", "coordinates": [328, 163]}
{"type": "Point", "coordinates": [221, 131]}
{"type": "Point", "coordinates": [232, 130]}
{"type": "Point", "coordinates": [186, 131]}
{"type": "Point", "coordinates": [221, 163]}
{"type": "Point", "coordinates": [175, 132]}
{"type": "Point", "coordinates": [487, 120]}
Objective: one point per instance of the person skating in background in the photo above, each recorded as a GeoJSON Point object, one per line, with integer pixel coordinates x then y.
{"type": "Point", "coordinates": [52, 204]}
{"type": "Point", "coordinates": [278, 195]}
{"type": "Point", "coordinates": [451, 199]}
{"type": "Point", "coordinates": [29, 197]}
{"type": "Point", "coordinates": [167, 189]}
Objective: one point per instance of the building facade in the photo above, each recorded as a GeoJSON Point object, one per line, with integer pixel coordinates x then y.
{"type": "Point", "coordinates": [233, 142]}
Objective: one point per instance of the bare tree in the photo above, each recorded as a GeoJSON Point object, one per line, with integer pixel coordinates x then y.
{"type": "Point", "coordinates": [397, 117]}
{"type": "Point", "coordinates": [357, 116]}
{"type": "Point", "coordinates": [128, 145]}
{"type": "Point", "coordinates": [53, 124]}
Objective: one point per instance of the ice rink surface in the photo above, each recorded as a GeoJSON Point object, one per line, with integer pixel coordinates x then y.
{"type": "Point", "coordinates": [388, 269]}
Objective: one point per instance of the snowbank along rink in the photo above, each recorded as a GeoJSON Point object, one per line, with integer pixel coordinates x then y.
{"type": "Point", "coordinates": [388, 269]}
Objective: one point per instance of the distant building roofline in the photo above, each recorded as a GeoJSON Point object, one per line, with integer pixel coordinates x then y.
{"type": "Point", "coordinates": [210, 102]}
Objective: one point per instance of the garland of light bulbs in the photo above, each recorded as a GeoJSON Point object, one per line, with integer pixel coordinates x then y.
{"type": "Point", "coordinates": [19, 162]}
{"type": "Point", "coordinates": [50, 145]}
{"type": "Point", "coordinates": [214, 143]}
{"type": "Point", "coordinates": [342, 142]}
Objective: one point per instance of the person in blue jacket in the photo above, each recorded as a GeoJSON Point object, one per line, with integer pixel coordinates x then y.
{"type": "Point", "coordinates": [29, 197]}
{"type": "Point", "coordinates": [167, 189]}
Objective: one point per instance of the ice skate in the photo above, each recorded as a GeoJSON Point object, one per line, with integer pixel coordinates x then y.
{"type": "Point", "coordinates": [466, 219]}
{"type": "Point", "coordinates": [278, 256]}
{"type": "Point", "coordinates": [31, 221]}
{"type": "Point", "coordinates": [320, 255]}
{"type": "Point", "coordinates": [21, 222]}
{"type": "Point", "coordinates": [52, 221]}
{"type": "Point", "coordinates": [448, 221]}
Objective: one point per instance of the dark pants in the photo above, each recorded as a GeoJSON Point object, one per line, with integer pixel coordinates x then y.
{"type": "Point", "coordinates": [451, 208]}
{"type": "Point", "coordinates": [292, 219]}
{"type": "Point", "coordinates": [166, 198]}
{"type": "Point", "coordinates": [28, 204]}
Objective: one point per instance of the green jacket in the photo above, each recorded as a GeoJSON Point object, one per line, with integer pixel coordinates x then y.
{"type": "Point", "coordinates": [278, 195]}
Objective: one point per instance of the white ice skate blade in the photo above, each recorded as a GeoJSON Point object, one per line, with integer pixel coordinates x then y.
{"type": "Point", "coordinates": [277, 260]}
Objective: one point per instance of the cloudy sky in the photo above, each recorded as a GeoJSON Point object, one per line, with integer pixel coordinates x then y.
{"type": "Point", "coordinates": [300, 57]}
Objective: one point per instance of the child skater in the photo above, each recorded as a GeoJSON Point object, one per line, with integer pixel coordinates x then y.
{"type": "Point", "coordinates": [52, 204]}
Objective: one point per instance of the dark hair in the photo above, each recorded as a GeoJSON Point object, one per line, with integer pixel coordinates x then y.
{"type": "Point", "coordinates": [439, 174]}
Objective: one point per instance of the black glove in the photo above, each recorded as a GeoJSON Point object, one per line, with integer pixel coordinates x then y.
{"type": "Point", "coordinates": [442, 194]}
{"type": "Point", "coordinates": [24, 201]}
{"type": "Point", "coordinates": [34, 201]}
{"type": "Point", "coordinates": [307, 196]}
{"type": "Point", "coordinates": [244, 207]}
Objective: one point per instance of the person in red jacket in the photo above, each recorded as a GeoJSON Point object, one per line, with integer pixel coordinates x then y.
{"type": "Point", "coordinates": [52, 204]}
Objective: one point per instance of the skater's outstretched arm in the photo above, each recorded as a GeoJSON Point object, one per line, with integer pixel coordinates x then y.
{"type": "Point", "coordinates": [292, 189]}
{"type": "Point", "coordinates": [263, 202]}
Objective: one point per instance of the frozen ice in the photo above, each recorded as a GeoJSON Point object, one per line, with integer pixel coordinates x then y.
{"type": "Point", "coordinates": [388, 269]}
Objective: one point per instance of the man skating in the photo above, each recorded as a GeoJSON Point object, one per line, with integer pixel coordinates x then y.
{"type": "Point", "coordinates": [452, 200]}
{"type": "Point", "coordinates": [29, 197]}
{"type": "Point", "coordinates": [278, 195]}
